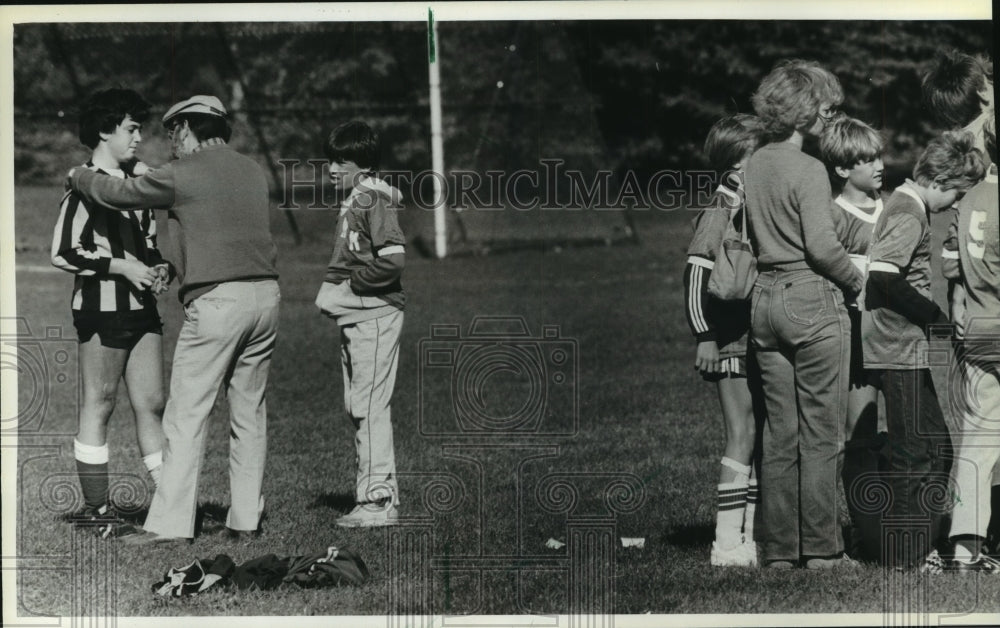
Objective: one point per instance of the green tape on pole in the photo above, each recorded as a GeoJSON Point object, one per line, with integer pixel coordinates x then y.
{"type": "Point", "coordinates": [431, 47]}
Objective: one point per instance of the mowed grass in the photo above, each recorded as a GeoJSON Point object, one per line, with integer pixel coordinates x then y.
{"type": "Point", "coordinates": [642, 412]}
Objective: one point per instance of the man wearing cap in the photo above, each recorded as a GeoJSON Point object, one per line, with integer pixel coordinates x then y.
{"type": "Point", "coordinates": [218, 229]}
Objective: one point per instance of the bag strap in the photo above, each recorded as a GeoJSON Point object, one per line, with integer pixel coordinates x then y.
{"type": "Point", "coordinates": [744, 236]}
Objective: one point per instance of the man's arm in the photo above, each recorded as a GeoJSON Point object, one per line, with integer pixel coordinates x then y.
{"type": "Point", "coordinates": [154, 189]}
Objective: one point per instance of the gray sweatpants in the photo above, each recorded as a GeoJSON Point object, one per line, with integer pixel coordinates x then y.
{"type": "Point", "coordinates": [370, 352]}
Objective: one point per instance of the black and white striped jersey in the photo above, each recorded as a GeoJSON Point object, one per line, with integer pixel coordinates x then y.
{"type": "Point", "coordinates": [85, 240]}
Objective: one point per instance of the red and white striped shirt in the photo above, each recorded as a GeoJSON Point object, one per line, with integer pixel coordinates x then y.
{"type": "Point", "coordinates": [85, 240]}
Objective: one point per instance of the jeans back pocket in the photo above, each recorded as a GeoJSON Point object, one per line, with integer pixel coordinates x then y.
{"type": "Point", "coordinates": [806, 301]}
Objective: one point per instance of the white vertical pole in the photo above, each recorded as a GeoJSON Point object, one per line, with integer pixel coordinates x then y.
{"type": "Point", "coordinates": [437, 141]}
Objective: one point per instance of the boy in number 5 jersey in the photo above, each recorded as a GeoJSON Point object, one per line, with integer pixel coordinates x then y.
{"type": "Point", "coordinates": [979, 444]}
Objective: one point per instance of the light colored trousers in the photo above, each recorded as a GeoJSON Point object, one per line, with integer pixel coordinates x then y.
{"type": "Point", "coordinates": [978, 450]}
{"type": "Point", "coordinates": [227, 339]}
{"type": "Point", "coordinates": [370, 352]}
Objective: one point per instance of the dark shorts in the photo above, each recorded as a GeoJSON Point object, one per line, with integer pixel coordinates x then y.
{"type": "Point", "coordinates": [118, 330]}
{"type": "Point", "coordinates": [734, 366]}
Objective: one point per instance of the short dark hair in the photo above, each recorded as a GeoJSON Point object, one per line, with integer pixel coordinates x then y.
{"type": "Point", "coordinates": [354, 141]}
{"type": "Point", "coordinates": [952, 86]}
{"type": "Point", "coordinates": [730, 138]}
{"type": "Point", "coordinates": [103, 111]}
{"type": "Point", "coordinates": [952, 161]}
{"type": "Point", "coordinates": [205, 126]}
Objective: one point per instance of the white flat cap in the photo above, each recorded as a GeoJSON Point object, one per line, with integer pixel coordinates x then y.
{"type": "Point", "coordinates": [196, 104]}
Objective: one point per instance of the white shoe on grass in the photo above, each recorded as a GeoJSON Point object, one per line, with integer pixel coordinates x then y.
{"type": "Point", "coordinates": [370, 515]}
{"type": "Point", "coordinates": [735, 556]}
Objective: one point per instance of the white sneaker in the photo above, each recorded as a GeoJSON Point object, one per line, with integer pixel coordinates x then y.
{"type": "Point", "coordinates": [370, 515]}
{"type": "Point", "coordinates": [735, 556]}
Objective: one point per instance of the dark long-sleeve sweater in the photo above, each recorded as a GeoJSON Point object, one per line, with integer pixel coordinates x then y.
{"type": "Point", "coordinates": [218, 224]}
{"type": "Point", "coordinates": [788, 204]}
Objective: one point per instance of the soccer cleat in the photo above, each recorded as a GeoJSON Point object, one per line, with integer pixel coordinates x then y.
{"type": "Point", "coordinates": [370, 515]}
{"type": "Point", "coordinates": [735, 556]}
{"type": "Point", "coordinates": [102, 522]}
{"type": "Point", "coordinates": [981, 564]}
{"type": "Point", "coordinates": [933, 564]}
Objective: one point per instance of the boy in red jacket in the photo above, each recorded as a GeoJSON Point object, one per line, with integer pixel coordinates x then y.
{"type": "Point", "coordinates": [363, 293]}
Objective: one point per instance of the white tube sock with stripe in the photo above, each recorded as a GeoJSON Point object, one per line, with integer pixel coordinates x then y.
{"type": "Point", "coordinates": [732, 506]}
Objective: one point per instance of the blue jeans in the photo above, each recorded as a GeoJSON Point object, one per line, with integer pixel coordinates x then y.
{"type": "Point", "coordinates": [801, 335]}
{"type": "Point", "coordinates": [919, 460]}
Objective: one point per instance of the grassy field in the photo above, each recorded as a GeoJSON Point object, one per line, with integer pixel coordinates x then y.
{"type": "Point", "coordinates": [647, 444]}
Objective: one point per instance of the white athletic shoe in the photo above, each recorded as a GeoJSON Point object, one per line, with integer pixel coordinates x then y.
{"type": "Point", "coordinates": [735, 556]}
{"type": "Point", "coordinates": [370, 515]}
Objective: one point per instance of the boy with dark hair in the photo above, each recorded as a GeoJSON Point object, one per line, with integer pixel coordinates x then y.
{"type": "Point", "coordinates": [852, 152]}
{"type": "Point", "coordinates": [958, 89]}
{"type": "Point", "coordinates": [363, 293]}
{"type": "Point", "coordinates": [118, 271]}
{"type": "Point", "coordinates": [217, 202]}
{"type": "Point", "coordinates": [899, 314]}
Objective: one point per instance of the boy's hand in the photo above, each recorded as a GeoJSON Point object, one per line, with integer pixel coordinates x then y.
{"type": "Point", "coordinates": [137, 273]}
{"type": "Point", "coordinates": [707, 357]}
{"type": "Point", "coordinates": [69, 179]}
{"type": "Point", "coordinates": [162, 282]}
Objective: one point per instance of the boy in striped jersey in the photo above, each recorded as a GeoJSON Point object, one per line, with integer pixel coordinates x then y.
{"type": "Point", "coordinates": [899, 313]}
{"type": "Point", "coordinates": [721, 329]}
{"type": "Point", "coordinates": [363, 293]}
{"type": "Point", "coordinates": [852, 152]}
{"type": "Point", "coordinates": [118, 269]}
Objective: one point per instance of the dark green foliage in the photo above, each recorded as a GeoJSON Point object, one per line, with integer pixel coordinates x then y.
{"type": "Point", "coordinates": [634, 96]}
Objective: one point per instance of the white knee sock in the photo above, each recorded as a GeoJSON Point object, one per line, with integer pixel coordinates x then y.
{"type": "Point", "coordinates": [154, 462]}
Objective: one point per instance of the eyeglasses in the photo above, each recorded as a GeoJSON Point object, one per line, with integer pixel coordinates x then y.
{"type": "Point", "coordinates": [831, 113]}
